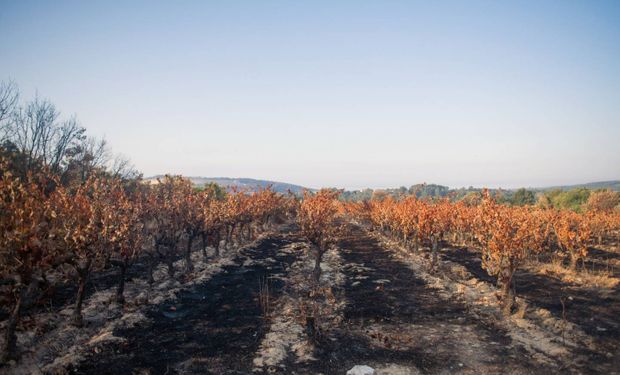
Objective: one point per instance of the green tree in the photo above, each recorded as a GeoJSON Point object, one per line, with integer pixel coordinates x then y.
{"type": "Point", "coordinates": [523, 197]}
{"type": "Point", "coordinates": [214, 190]}
{"type": "Point", "coordinates": [573, 199]}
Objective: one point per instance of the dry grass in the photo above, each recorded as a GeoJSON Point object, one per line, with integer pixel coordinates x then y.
{"type": "Point", "coordinates": [584, 277]}
{"type": "Point", "coordinates": [264, 296]}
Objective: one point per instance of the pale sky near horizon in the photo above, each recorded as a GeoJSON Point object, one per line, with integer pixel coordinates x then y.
{"type": "Point", "coordinates": [347, 94]}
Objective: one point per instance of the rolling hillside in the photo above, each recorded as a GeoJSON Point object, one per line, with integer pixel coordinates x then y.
{"type": "Point", "coordinates": [613, 185]}
{"type": "Point", "coordinates": [244, 183]}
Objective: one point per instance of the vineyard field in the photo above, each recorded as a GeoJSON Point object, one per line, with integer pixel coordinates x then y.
{"type": "Point", "coordinates": [379, 305]}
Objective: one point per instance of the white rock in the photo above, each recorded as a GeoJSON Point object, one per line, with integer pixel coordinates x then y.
{"type": "Point", "coordinates": [361, 370]}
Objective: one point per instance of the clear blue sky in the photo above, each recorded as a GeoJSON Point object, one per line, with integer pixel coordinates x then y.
{"type": "Point", "coordinates": [324, 93]}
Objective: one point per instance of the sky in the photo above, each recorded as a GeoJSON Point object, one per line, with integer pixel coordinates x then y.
{"type": "Point", "coordinates": [347, 94]}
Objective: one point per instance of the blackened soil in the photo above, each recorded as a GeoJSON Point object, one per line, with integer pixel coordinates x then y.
{"type": "Point", "coordinates": [603, 261]}
{"type": "Point", "coordinates": [63, 294]}
{"type": "Point", "coordinates": [57, 296]}
{"type": "Point", "coordinates": [212, 328]}
{"type": "Point", "coordinates": [383, 293]}
{"type": "Point", "coordinates": [470, 260]}
{"type": "Point", "coordinates": [596, 312]}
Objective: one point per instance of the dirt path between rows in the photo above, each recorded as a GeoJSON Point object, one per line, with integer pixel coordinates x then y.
{"type": "Point", "coordinates": [212, 328]}
{"type": "Point", "coordinates": [398, 324]}
{"type": "Point", "coordinates": [595, 310]}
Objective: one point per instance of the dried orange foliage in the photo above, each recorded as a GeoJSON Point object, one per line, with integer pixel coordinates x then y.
{"type": "Point", "coordinates": [90, 222]}
{"type": "Point", "coordinates": [25, 240]}
{"type": "Point", "coordinates": [509, 235]}
{"type": "Point", "coordinates": [26, 251]}
{"type": "Point", "coordinates": [415, 221]}
{"type": "Point", "coordinates": [573, 232]}
{"type": "Point", "coordinates": [603, 201]}
{"type": "Point", "coordinates": [103, 221]}
{"type": "Point", "coordinates": [318, 218]}
{"type": "Point", "coordinates": [505, 235]}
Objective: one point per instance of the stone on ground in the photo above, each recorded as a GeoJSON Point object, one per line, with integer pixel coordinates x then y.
{"type": "Point", "coordinates": [361, 370]}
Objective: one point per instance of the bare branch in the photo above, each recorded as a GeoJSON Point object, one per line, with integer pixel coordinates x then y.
{"type": "Point", "coordinates": [9, 96]}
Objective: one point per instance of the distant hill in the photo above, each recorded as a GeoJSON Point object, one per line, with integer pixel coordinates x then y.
{"type": "Point", "coordinates": [613, 185]}
{"type": "Point", "coordinates": [243, 183]}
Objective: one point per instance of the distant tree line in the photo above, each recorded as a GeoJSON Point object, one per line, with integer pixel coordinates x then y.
{"type": "Point", "coordinates": [578, 199]}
